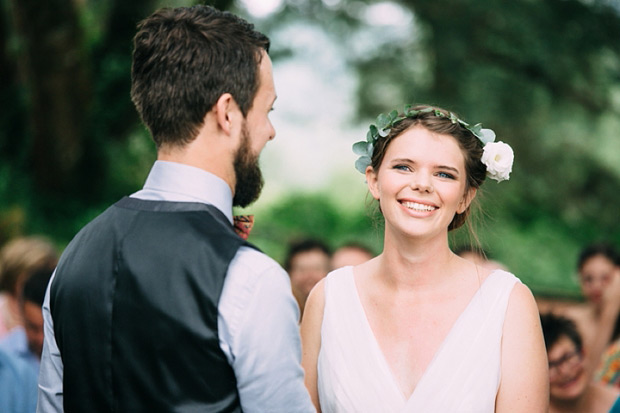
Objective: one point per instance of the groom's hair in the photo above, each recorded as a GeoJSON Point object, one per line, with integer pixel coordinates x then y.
{"type": "Point", "coordinates": [184, 59]}
{"type": "Point", "coordinates": [555, 327]}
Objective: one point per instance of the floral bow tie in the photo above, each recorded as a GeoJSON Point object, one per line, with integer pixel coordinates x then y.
{"type": "Point", "coordinates": [243, 225]}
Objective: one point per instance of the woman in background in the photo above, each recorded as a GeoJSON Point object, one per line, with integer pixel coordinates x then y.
{"type": "Point", "coordinates": [598, 265]}
{"type": "Point", "coordinates": [19, 258]}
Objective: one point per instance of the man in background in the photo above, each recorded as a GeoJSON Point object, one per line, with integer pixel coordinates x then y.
{"type": "Point", "coordinates": [20, 350]}
{"type": "Point", "coordinates": [307, 262]}
{"type": "Point", "coordinates": [19, 258]}
{"type": "Point", "coordinates": [571, 388]}
{"type": "Point", "coordinates": [352, 253]}
{"type": "Point", "coordinates": [27, 342]}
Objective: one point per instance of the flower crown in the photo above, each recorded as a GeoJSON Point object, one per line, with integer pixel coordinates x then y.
{"type": "Point", "coordinates": [497, 156]}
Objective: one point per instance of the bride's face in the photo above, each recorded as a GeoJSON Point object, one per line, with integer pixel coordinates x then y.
{"type": "Point", "coordinates": [421, 182]}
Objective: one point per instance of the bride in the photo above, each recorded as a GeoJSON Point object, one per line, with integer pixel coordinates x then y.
{"type": "Point", "coordinates": [419, 329]}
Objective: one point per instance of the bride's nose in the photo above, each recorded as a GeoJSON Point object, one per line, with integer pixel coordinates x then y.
{"type": "Point", "coordinates": [422, 182]}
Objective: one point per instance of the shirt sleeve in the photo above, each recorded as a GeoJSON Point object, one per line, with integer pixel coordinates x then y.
{"type": "Point", "coordinates": [50, 398]}
{"type": "Point", "coordinates": [259, 332]}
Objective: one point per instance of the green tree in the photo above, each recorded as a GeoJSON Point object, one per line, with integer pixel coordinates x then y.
{"type": "Point", "coordinates": [69, 135]}
{"type": "Point", "coordinates": [544, 75]}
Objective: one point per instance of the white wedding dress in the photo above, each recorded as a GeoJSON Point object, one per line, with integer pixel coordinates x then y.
{"type": "Point", "coordinates": [464, 375]}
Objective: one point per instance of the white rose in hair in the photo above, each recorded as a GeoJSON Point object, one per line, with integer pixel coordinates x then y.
{"type": "Point", "coordinates": [498, 158]}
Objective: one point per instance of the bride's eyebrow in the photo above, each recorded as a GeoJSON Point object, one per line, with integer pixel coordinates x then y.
{"type": "Point", "coordinates": [411, 161]}
{"type": "Point", "coordinates": [403, 160]}
{"type": "Point", "coordinates": [449, 168]}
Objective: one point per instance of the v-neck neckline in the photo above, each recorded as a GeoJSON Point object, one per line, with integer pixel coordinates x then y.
{"type": "Point", "coordinates": [376, 348]}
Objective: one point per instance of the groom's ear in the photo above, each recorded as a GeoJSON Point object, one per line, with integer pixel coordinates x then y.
{"type": "Point", "coordinates": [227, 113]}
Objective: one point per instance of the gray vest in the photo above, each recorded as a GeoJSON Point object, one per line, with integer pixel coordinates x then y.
{"type": "Point", "coordinates": [134, 303]}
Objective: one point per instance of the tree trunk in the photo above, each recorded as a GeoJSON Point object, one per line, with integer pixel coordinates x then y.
{"type": "Point", "coordinates": [54, 63]}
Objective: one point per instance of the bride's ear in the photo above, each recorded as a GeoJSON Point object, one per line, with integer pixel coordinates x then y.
{"type": "Point", "coordinates": [467, 200]}
{"type": "Point", "coordinates": [372, 181]}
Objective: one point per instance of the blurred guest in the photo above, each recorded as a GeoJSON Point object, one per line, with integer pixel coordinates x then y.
{"type": "Point", "coordinates": [18, 385]}
{"type": "Point", "coordinates": [597, 264]}
{"type": "Point", "coordinates": [570, 387]}
{"type": "Point", "coordinates": [307, 262]}
{"type": "Point", "coordinates": [18, 259]}
{"type": "Point", "coordinates": [27, 342]}
{"type": "Point", "coordinates": [599, 276]}
{"type": "Point", "coordinates": [352, 253]}
{"type": "Point", "coordinates": [479, 257]}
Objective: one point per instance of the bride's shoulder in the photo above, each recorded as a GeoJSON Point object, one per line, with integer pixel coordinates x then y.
{"type": "Point", "coordinates": [481, 272]}
{"type": "Point", "coordinates": [498, 273]}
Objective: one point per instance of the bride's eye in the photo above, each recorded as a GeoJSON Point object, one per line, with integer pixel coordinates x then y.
{"type": "Point", "coordinates": [445, 175]}
{"type": "Point", "coordinates": [401, 167]}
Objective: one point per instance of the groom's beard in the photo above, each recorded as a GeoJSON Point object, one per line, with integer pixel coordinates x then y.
{"type": "Point", "coordinates": [248, 174]}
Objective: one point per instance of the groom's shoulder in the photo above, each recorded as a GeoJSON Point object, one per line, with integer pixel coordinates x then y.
{"type": "Point", "coordinates": [251, 271]}
{"type": "Point", "coordinates": [257, 262]}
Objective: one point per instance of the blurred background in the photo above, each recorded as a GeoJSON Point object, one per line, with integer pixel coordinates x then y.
{"type": "Point", "coordinates": [545, 75]}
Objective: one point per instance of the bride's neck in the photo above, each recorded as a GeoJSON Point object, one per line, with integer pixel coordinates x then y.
{"type": "Point", "coordinates": [416, 265]}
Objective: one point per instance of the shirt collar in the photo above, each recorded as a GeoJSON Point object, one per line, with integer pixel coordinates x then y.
{"type": "Point", "coordinates": [184, 183]}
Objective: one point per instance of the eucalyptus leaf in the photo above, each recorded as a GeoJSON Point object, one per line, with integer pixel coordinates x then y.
{"type": "Point", "coordinates": [359, 148]}
{"type": "Point", "coordinates": [393, 114]}
{"type": "Point", "coordinates": [486, 136]}
{"type": "Point", "coordinates": [372, 133]}
{"type": "Point", "coordinates": [476, 129]}
{"type": "Point", "coordinates": [362, 163]}
{"type": "Point", "coordinates": [383, 120]}
{"type": "Point", "coordinates": [384, 132]}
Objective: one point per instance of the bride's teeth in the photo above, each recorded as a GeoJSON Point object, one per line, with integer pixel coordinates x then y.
{"type": "Point", "coordinates": [418, 207]}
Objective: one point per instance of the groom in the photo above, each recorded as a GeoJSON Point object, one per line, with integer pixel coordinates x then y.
{"type": "Point", "coordinates": [157, 305]}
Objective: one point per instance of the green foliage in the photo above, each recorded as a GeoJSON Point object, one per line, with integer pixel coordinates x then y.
{"type": "Point", "coordinates": [543, 74]}
{"type": "Point", "coordinates": [304, 215]}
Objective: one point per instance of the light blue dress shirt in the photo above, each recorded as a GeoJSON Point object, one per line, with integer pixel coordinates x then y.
{"type": "Point", "coordinates": [258, 316]}
{"type": "Point", "coordinates": [18, 385]}
{"type": "Point", "coordinates": [16, 343]}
